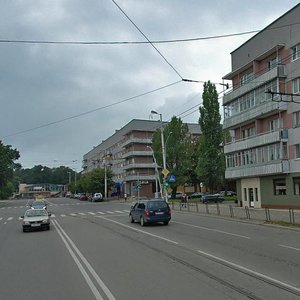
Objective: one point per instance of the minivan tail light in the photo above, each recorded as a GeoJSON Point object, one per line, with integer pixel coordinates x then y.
{"type": "Point", "coordinates": [147, 213]}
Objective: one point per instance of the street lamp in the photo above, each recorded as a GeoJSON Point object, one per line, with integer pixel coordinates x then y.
{"type": "Point", "coordinates": [163, 152]}
{"type": "Point", "coordinates": [156, 170]}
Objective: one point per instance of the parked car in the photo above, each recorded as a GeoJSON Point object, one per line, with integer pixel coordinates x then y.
{"type": "Point", "coordinates": [36, 219]}
{"type": "Point", "coordinates": [228, 193]}
{"type": "Point", "coordinates": [196, 195]}
{"type": "Point", "coordinates": [97, 197]}
{"type": "Point", "coordinates": [150, 211]}
{"type": "Point", "coordinates": [83, 197]}
{"type": "Point", "coordinates": [212, 198]}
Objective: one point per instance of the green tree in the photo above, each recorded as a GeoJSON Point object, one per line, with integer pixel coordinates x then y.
{"type": "Point", "coordinates": [178, 150]}
{"type": "Point", "coordinates": [211, 163]}
{"type": "Point", "coordinates": [7, 167]}
{"type": "Point", "coordinates": [94, 181]}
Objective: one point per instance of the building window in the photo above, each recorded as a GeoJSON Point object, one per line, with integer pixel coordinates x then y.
{"type": "Point", "coordinates": [272, 63]}
{"type": "Point", "coordinates": [274, 125]}
{"type": "Point", "coordinates": [297, 119]}
{"type": "Point", "coordinates": [296, 52]}
{"type": "Point", "coordinates": [296, 85]}
{"type": "Point", "coordinates": [297, 150]}
{"type": "Point", "coordinates": [246, 78]}
{"type": "Point", "coordinates": [279, 186]}
{"type": "Point", "coordinates": [296, 181]}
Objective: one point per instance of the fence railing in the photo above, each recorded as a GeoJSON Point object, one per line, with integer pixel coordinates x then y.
{"type": "Point", "coordinates": [290, 215]}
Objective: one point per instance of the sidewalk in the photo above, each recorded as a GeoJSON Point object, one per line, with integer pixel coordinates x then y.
{"type": "Point", "coordinates": [232, 211]}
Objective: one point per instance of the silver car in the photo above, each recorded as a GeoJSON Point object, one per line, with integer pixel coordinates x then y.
{"type": "Point", "coordinates": [36, 219]}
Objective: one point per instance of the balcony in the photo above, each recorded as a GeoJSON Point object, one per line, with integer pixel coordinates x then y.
{"type": "Point", "coordinates": [271, 168]}
{"type": "Point", "coordinates": [137, 153]}
{"type": "Point", "coordinates": [140, 177]}
{"type": "Point", "coordinates": [258, 80]}
{"type": "Point", "coordinates": [137, 141]}
{"type": "Point", "coordinates": [256, 141]}
{"type": "Point", "coordinates": [139, 166]}
{"type": "Point", "coordinates": [257, 112]}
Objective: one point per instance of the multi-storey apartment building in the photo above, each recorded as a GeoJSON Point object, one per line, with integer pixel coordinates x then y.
{"type": "Point", "coordinates": [128, 155]}
{"type": "Point", "coordinates": [263, 155]}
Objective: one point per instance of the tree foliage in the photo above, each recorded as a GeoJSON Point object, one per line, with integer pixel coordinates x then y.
{"type": "Point", "coordinates": [94, 181]}
{"type": "Point", "coordinates": [7, 167]}
{"type": "Point", "coordinates": [179, 149]}
{"type": "Point", "coordinates": [211, 163]}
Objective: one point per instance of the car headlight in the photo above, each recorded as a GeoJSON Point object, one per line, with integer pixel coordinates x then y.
{"type": "Point", "coordinates": [45, 221]}
{"type": "Point", "coordinates": [26, 223]}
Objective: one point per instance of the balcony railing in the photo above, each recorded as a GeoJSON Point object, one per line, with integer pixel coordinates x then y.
{"type": "Point", "coordinates": [271, 168]}
{"type": "Point", "coordinates": [137, 153]}
{"type": "Point", "coordinates": [139, 166]}
{"type": "Point", "coordinates": [137, 141]}
{"type": "Point", "coordinates": [140, 177]}
{"type": "Point", "coordinates": [256, 112]}
{"type": "Point", "coordinates": [256, 141]}
{"type": "Point", "coordinates": [258, 79]}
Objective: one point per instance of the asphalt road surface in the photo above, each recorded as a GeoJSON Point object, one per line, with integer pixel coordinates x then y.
{"type": "Point", "coordinates": [92, 251]}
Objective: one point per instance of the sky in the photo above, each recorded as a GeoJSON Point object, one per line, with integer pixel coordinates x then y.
{"type": "Point", "coordinates": [58, 100]}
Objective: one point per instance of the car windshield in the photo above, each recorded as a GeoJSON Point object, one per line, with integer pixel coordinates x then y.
{"type": "Point", "coordinates": [157, 204]}
{"type": "Point", "coordinates": [36, 213]}
{"type": "Point", "coordinates": [36, 204]}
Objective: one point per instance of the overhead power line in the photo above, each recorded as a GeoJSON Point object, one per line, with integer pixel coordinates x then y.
{"type": "Point", "coordinates": [169, 41]}
{"type": "Point", "coordinates": [90, 111]}
{"type": "Point", "coordinates": [140, 31]}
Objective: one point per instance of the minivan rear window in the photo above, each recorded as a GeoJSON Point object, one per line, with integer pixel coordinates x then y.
{"type": "Point", "coordinates": [157, 204]}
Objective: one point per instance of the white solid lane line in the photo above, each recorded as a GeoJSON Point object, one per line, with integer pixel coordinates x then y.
{"type": "Point", "coordinates": [102, 285]}
{"type": "Point", "coordinates": [257, 274]}
{"type": "Point", "coordinates": [79, 265]}
{"type": "Point", "coordinates": [139, 230]}
{"type": "Point", "coordinates": [289, 247]}
{"type": "Point", "coordinates": [211, 229]}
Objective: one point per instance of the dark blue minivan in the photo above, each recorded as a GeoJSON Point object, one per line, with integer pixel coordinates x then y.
{"type": "Point", "coordinates": [150, 211]}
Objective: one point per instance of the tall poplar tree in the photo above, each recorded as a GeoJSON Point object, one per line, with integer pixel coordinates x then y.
{"type": "Point", "coordinates": [211, 163]}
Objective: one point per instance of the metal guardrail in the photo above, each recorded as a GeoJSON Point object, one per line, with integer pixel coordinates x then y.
{"type": "Point", "coordinates": [290, 215]}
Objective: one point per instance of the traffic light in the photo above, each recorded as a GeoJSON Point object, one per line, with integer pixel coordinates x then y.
{"type": "Point", "coordinates": [166, 184]}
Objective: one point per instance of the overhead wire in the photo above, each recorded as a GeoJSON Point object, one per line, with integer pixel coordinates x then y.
{"type": "Point", "coordinates": [91, 111]}
{"type": "Point", "coordinates": [138, 42]}
{"type": "Point", "coordinates": [140, 31]}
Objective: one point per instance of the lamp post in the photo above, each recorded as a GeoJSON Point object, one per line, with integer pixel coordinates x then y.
{"type": "Point", "coordinates": [163, 153]}
{"type": "Point", "coordinates": [156, 170]}
{"type": "Point", "coordinates": [69, 177]}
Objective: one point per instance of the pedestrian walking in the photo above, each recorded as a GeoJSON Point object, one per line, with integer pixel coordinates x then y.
{"type": "Point", "coordinates": [125, 197]}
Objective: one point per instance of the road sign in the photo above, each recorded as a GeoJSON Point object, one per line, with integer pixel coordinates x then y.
{"type": "Point", "coordinates": [172, 178]}
{"type": "Point", "coordinates": [165, 172]}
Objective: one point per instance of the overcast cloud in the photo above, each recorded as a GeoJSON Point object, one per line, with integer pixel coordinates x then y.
{"type": "Point", "coordinates": [44, 83]}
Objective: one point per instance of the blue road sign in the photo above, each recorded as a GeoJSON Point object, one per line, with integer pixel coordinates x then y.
{"type": "Point", "coordinates": [172, 178]}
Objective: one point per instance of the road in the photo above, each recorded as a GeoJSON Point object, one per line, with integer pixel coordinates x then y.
{"type": "Point", "coordinates": [92, 251]}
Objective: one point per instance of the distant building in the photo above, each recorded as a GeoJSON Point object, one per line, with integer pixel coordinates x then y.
{"type": "Point", "coordinates": [46, 189]}
{"type": "Point", "coordinates": [263, 155]}
{"type": "Point", "coordinates": [127, 155]}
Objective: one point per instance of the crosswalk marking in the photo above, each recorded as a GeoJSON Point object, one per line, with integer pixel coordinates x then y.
{"type": "Point", "coordinates": [10, 218]}
{"type": "Point", "coordinates": [91, 213]}
{"type": "Point", "coordinates": [52, 216]}
{"type": "Point", "coordinates": [126, 210]}
{"type": "Point", "coordinates": [110, 212]}
{"type": "Point", "coordinates": [101, 212]}
{"type": "Point", "coordinates": [62, 215]}
{"type": "Point", "coordinates": [1, 219]}
{"type": "Point", "coordinates": [83, 214]}
{"type": "Point", "coordinates": [74, 215]}
{"type": "Point", "coordinates": [120, 212]}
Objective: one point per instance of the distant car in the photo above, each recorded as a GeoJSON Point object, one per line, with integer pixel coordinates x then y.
{"type": "Point", "coordinates": [228, 193]}
{"type": "Point", "coordinates": [179, 195]}
{"type": "Point", "coordinates": [150, 211]}
{"type": "Point", "coordinates": [83, 197]}
{"type": "Point", "coordinates": [38, 205]}
{"type": "Point", "coordinates": [97, 197]}
{"type": "Point", "coordinates": [196, 195]}
{"type": "Point", "coordinates": [36, 219]}
{"type": "Point", "coordinates": [212, 198]}
{"type": "Point", "coordinates": [68, 194]}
